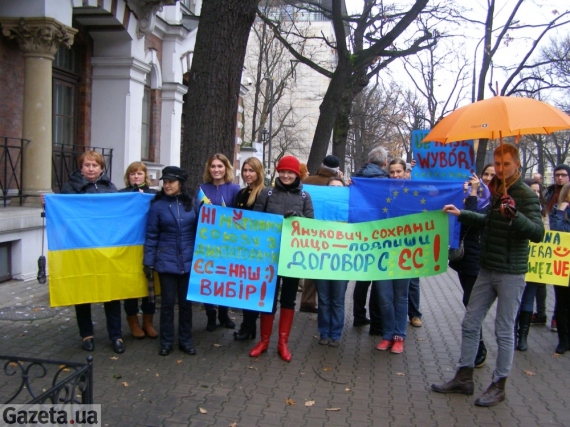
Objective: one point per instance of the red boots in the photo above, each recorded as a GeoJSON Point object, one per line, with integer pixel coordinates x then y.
{"type": "Point", "coordinates": [265, 333]}
{"type": "Point", "coordinates": [285, 323]}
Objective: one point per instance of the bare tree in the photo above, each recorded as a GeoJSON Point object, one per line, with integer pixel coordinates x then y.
{"type": "Point", "coordinates": [379, 35]}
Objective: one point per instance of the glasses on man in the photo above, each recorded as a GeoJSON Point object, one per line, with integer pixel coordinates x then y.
{"type": "Point", "coordinates": [560, 175]}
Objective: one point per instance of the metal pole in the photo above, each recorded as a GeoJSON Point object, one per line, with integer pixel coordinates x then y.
{"type": "Point", "coordinates": [270, 123]}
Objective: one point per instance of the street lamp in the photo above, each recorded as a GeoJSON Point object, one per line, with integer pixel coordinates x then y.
{"type": "Point", "coordinates": [263, 139]}
{"type": "Point", "coordinates": [270, 81]}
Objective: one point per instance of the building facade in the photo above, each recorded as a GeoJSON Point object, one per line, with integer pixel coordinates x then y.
{"type": "Point", "coordinates": [78, 75]}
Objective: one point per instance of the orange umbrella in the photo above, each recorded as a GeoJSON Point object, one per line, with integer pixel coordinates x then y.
{"type": "Point", "coordinates": [499, 117]}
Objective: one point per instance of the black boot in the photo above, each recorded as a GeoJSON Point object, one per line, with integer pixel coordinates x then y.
{"type": "Point", "coordinates": [524, 325]}
{"type": "Point", "coordinates": [248, 327]}
{"type": "Point", "coordinates": [493, 395]}
{"type": "Point", "coordinates": [562, 331]}
{"type": "Point", "coordinates": [481, 356]}
{"type": "Point", "coordinates": [224, 318]}
{"type": "Point", "coordinates": [461, 383]}
{"type": "Point", "coordinates": [211, 326]}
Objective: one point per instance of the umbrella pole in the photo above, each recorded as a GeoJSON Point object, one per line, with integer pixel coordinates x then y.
{"type": "Point", "coordinates": [502, 165]}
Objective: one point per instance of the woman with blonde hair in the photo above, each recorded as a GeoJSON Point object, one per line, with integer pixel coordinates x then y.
{"type": "Point", "coordinates": [252, 173]}
{"type": "Point", "coordinates": [219, 187]}
{"type": "Point", "coordinates": [137, 180]}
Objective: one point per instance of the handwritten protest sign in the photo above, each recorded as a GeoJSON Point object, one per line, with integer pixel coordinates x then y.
{"type": "Point", "coordinates": [395, 248]}
{"type": "Point", "coordinates": [235, 258]}
{"type": "Point", "coordinates": [435, 160]}
{"type": "Point", "coordinates": [549, 261]}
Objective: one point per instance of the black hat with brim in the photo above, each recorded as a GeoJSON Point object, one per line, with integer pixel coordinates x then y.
{"type": "Point", "coordinates": [174, 173]}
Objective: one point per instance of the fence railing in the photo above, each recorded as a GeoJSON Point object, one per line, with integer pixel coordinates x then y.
{"type": "Point", "coordinates": [27, 380]}
{"type": "Point", "coordinates": [64, 161]}
{"type": "Point", "coordinates": [11, 168]}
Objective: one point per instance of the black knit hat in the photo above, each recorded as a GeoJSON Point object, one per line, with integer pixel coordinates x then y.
{"type": "Point", "coordinates": [174, 173]}
{"type": "Point", "coordinates": [331, 161]}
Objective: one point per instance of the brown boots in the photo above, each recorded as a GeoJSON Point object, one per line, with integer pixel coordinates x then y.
{"type": "Point", "coordinates": [147, 329]}
{"type": "Point", "coordinates": [461, 383]}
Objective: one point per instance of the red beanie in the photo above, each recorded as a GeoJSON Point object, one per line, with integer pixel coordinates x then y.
{"type": "Point", "coordinates": [289, 163]}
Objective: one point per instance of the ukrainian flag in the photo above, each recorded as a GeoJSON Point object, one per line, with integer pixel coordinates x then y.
{"type": "Point", "coordinates": [95, 247]}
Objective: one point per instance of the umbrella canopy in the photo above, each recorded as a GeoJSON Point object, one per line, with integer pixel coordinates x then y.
{"type": "Point", "coordinates": [499, 117]}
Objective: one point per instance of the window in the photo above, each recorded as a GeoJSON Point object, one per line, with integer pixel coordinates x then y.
{"type": "Point", "coordinates": [5, 264]}
{"type": "Point", "coordinates": [146, 126]}
{"type": "Point", "coordinates": [65, 80]}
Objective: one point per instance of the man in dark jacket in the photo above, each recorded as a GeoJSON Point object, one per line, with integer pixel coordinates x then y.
{"type": "Point", "coordinates": [374, 168]}
{"type": "Point", "coordinates": [510, 222]}
{"type": "Point", "coordinates": [329, 168]}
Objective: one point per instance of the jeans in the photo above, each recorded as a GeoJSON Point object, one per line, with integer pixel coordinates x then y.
{"type": "Point", "coordinates": [541, 299]}
{"type": "Point", "coordinates": [527, 300]}
{"type": "Point", "coordinates": [331, 307]}
{"type": "Point", "coordinates": [132, 306]}
{"type": "Point", "coordinates": [492, 285]}
{"type": "Point", "coordinates": [414, 299]}
{"type": "Point", "coordinates": [172, 286]}
{"type": "Point", "coordinates": [359, 303]}
{"type": "Point", "coordinates": [112, 314]}
{"type": "Point", "coordinates": [393, 296]}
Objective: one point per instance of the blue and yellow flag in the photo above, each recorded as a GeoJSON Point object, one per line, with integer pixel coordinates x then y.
{"type": "Point", "coordinates": [203, 198]}
{"type": "Point", "coordinates": [95, 247]}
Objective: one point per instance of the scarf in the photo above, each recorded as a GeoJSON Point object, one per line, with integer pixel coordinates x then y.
{"type": "Point", "coordinates": [497, 187]}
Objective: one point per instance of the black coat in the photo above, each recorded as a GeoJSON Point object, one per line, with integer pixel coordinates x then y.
{"type": "Point", "coordinates": [469, 264]}
{"type": "Point", "coordinates": [133, 189]}
{"type": "Point", "coordinates": [77, 184]}
{"type": "Point", "coordinates": [278, 200]}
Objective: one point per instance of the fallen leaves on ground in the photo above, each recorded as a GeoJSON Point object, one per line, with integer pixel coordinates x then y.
{"type": "Point", "coordinates": [234, 424]}
{"type": "Point", "coordinates": [157, 375]}
{"type": "Point", "coordinates": [217, 345]}
{"type": "Point", "coordinates": [309, 403]}
{"type": "Point", "coordinates": [400, 374]}
{"type": "Point", "coordinates": [179, 361]}
{"type": "Point", "coordinates": [114, 358]}
{"type": "Point", "coordinates": [289, 401]}
{"type": "Point", "coordinates": [253, 367]}
{"type": "Point", "coordinates": [347, 389]}
{"type": "Point", "coordinates": [117, 376]}
{"type": "Point", "coordinates": [326, 369]}
{"type": "Point", "coordinates": [556, 355]}
{"type": "Point", "coordinates": [125, 384]}
{"type": "Point", "coordinates": [203, 411]}
{"type": "Point", "coordinates": [332, 409]}
{"type": "Point", "coordinates": [530, 373]}
{"type": "Point", "coordinates": [421, 339]}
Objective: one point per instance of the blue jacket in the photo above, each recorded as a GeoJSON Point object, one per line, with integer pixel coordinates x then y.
{"type": "Point", "coordinates": [170, 235]}
{"type": "Point", "coordinates": [560, 220]}
{"type": "Point", "coordinates": [215, 193]}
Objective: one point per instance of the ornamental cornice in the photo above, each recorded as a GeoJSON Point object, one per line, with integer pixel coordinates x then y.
{"type": "Point", "coordinates": [146, 11]}
{"type": "Point", "coordinates": [39, 37]}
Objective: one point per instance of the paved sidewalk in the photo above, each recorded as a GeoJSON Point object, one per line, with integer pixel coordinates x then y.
{"type": "Point", "coordinates": [369, 387]}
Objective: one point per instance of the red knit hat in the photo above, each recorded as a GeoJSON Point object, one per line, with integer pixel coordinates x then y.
{"type": "Point", "coordinates": [289, 163]}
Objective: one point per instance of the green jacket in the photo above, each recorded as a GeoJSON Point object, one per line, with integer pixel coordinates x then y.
{"type": "Point", "coordinates": [504, 244]}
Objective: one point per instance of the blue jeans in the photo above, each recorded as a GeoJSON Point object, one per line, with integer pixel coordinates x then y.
{"type": "Point", "coordinates": [393, 296]}
{"type": "Point", "coordinates": [527, 301]}
{"type": "Point", "coordinates": [492, 285]}
{"type": "Point", "coordinates": [171, 286]}
{"type": "Point", "coordinates": [132, 306]}
{"type": "Point", "coordinates": [414, 299]}
{"type": "Point", "coordinates": [331, 307]}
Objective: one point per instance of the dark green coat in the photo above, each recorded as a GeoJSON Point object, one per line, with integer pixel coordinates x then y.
{"type": "Point", "coordinates": [504, 244]}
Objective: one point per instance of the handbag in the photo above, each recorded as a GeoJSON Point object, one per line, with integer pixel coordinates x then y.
{"type": "Point", "coordinates": [456, 254]}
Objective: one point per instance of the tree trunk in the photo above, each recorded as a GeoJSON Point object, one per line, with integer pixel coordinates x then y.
{"type": "Point", "coordinates": [214, 83]}
{"type": "Point", "coordinates": [328, 113]}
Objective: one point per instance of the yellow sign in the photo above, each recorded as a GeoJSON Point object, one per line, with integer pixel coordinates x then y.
{"type": "Point", "coordinates": [549, 261]}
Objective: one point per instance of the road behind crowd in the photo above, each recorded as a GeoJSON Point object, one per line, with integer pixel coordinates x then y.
{"type": "Point", "coordinates": [353, 385]}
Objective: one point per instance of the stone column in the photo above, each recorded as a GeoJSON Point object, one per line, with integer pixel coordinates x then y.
{"type": "Point", "coordinates": [39, 39]}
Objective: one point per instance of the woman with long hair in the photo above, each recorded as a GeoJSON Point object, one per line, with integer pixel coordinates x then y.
{"type": "Point", "coordinates": [219, 188]}
{"type": "Point", "coordinates": [90, 179]}
{"type": "Point", "coordinates": [168, 250]}
{"type": "Point", "coordinates": [286, 198]}
{"type": "Point", "coordinates": [252, 173]}
{"type": "Point", "coordinates": [560, 221]}
{"type": "Point", "coordinates": [393, 293]}
{"type": "Point", "coordinates": [137, 180]}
